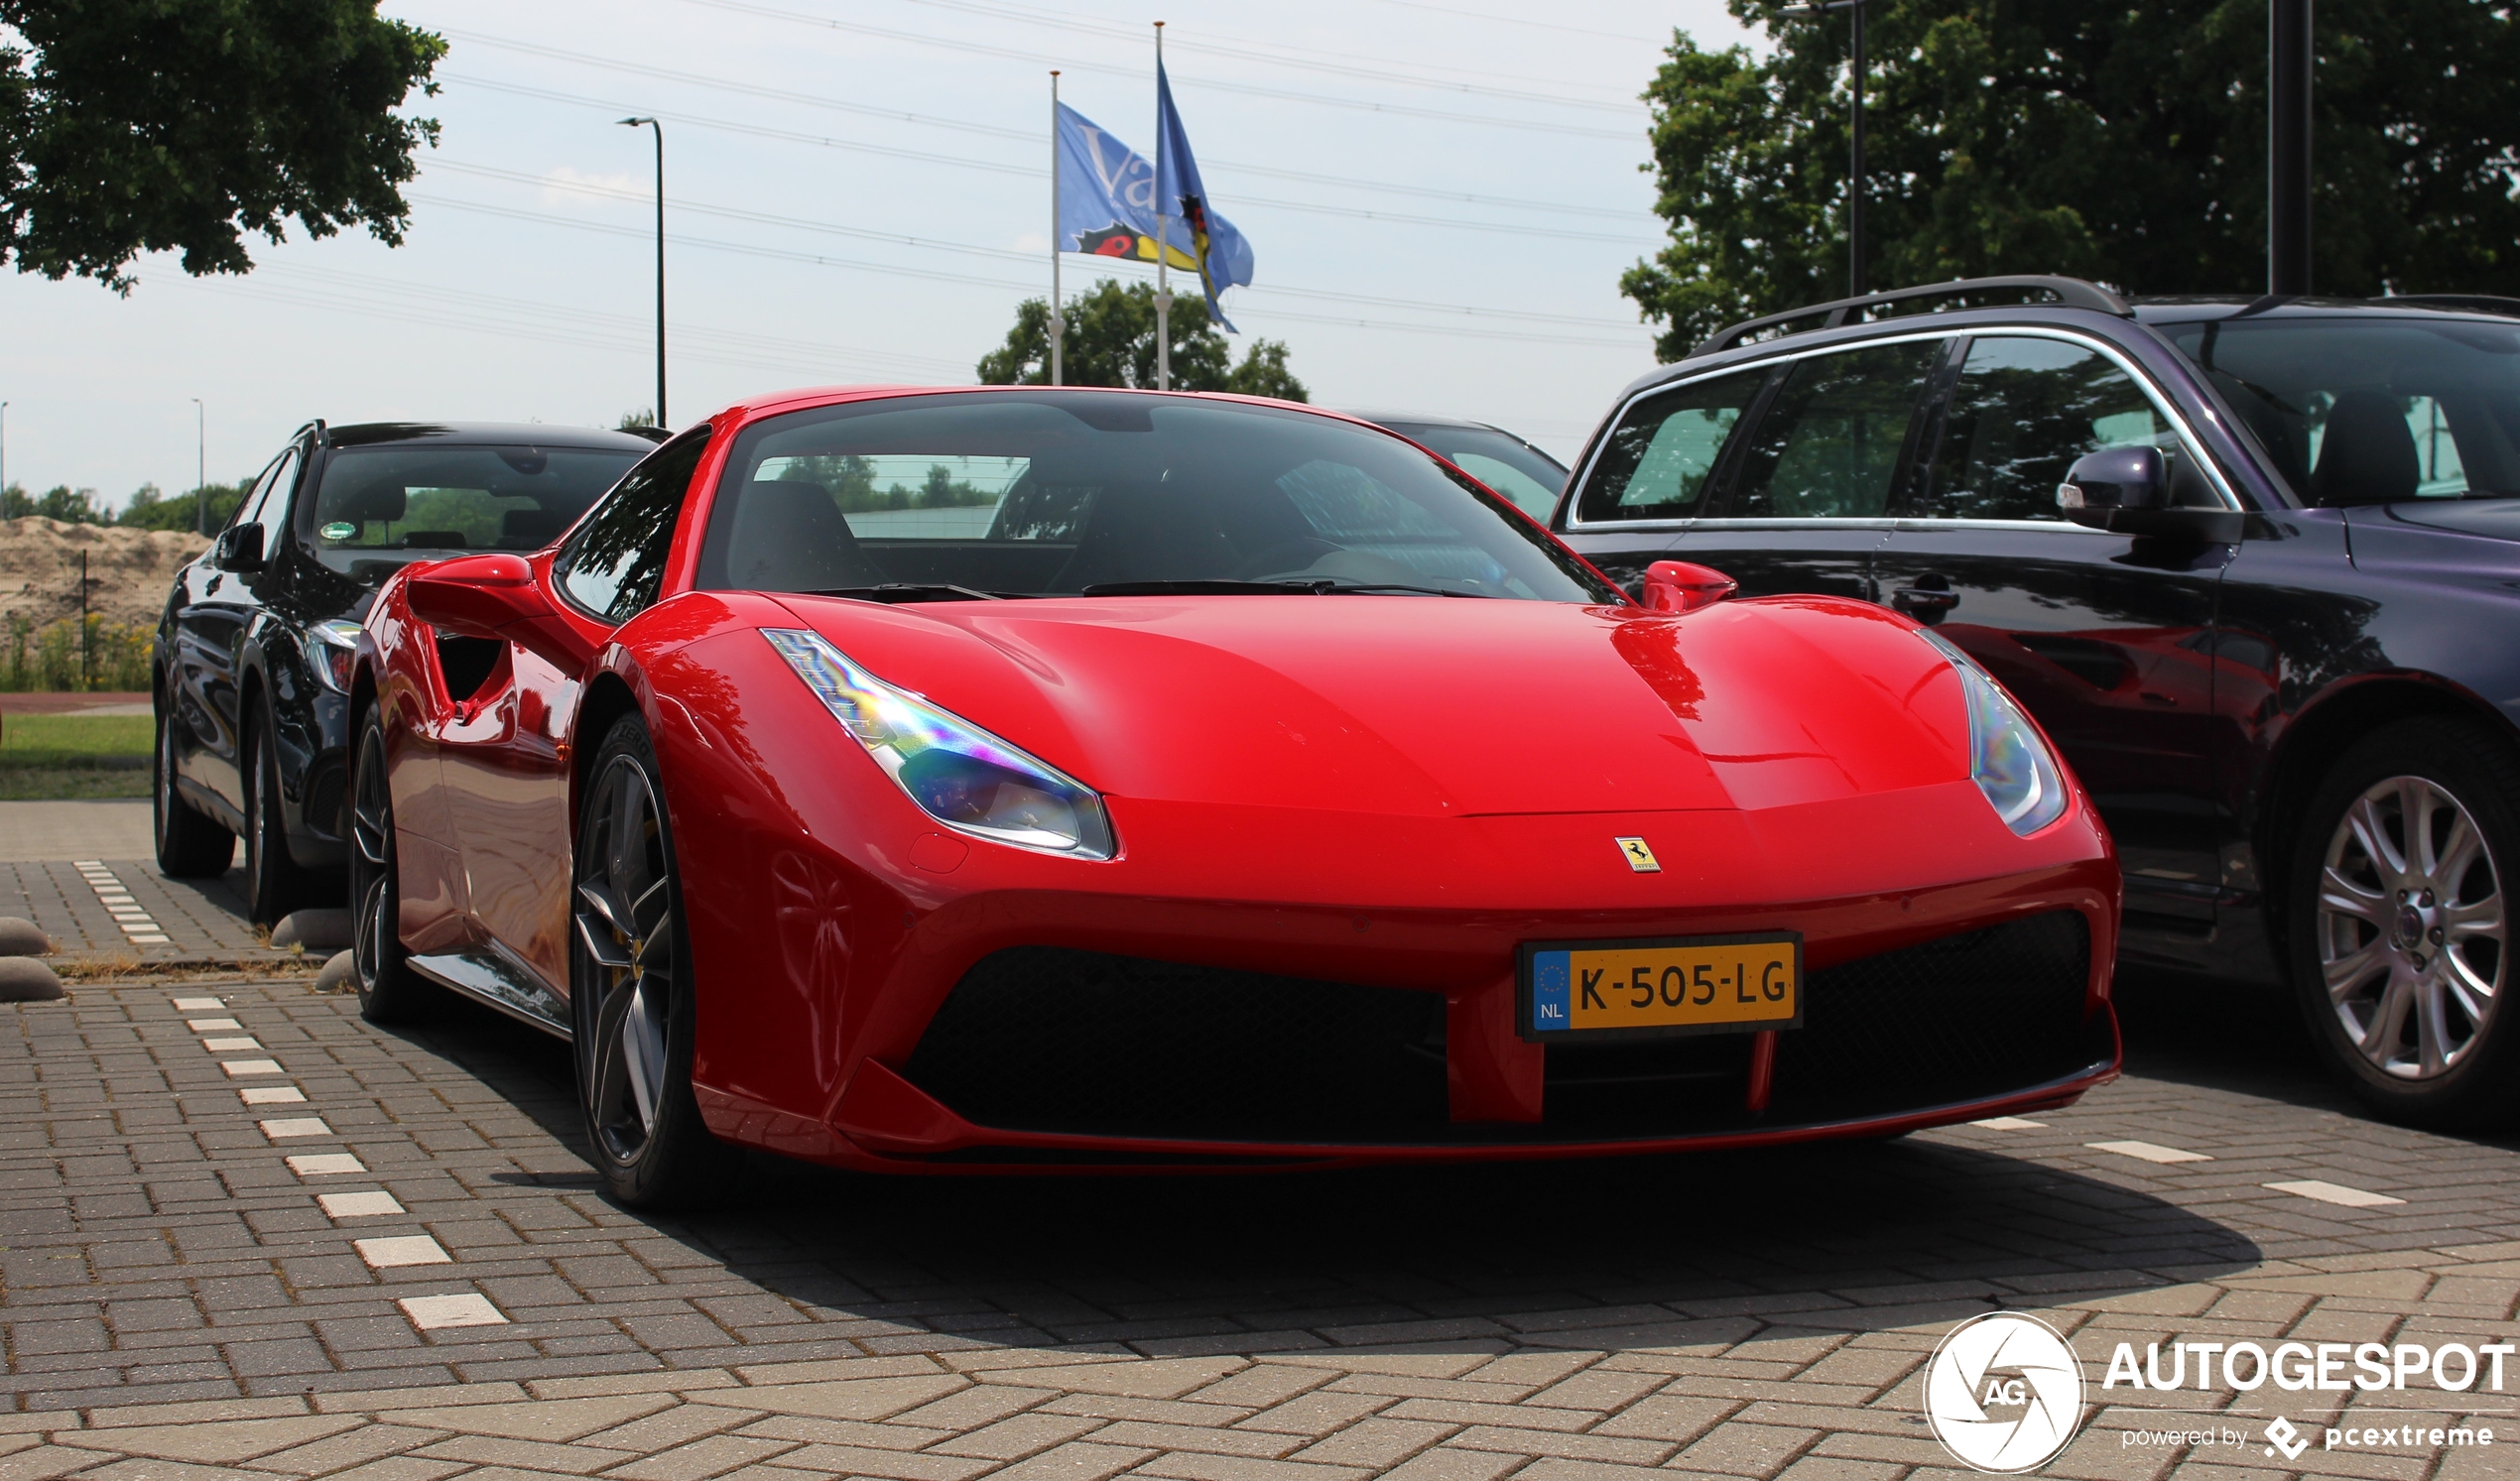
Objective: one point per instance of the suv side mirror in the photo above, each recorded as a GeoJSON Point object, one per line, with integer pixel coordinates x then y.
{"type": "Point", "coordinates": [2113, 478]}
{"type": "Point", "coordinates": [495, 596]}
{"type": "Point", "coordinates": [239, 549]}
{"type": "Point", "coordinates": [2127, 491]}
{"type": "Point", "coordinates": [1683, 586]}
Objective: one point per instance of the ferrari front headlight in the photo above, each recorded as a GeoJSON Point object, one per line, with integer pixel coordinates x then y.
{"type": "Point", "coordinates": [2007, 758]}
{"type": "Point", "coordinates": [958, 774]}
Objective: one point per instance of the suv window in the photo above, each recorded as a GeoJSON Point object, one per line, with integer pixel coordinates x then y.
{"type": "Point", "coordinates": [615, 563]}
{"type": "Point", "coordinates": [1658, 462]}
{"type": "Point", "coordinates": [274, 485]}
{"type": "Point", "coordinates": [2374, 411]}
{"type": "Point", "coordinates": [1829, 445]}
{"type": "Point", "coordinates": [377, 503]}
{"type": "Point", "coordinates": [2023, 409]}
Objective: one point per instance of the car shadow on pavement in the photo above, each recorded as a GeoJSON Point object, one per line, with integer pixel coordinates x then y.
{"type": "Point", "coordinates": [1625, 1252]}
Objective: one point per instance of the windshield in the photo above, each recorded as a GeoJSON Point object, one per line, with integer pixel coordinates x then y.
{"type": "Point", "coordinates": [1501, 460]}
{"type": "Point", "coordinates": [2373, 410]}
{"type": "Point", "coordinates": [1044, 493]}
{"type": "Point", "coordinates": [380, 507]}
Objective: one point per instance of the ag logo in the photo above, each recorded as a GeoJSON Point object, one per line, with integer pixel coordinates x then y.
{"type": "Point", "coordinates": [2004, 1393]}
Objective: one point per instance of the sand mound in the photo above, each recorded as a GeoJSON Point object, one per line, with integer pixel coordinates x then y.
{"type": "Point", "coordinates": [129, 572]}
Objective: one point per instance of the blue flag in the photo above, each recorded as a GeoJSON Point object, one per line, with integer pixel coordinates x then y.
{"type": "Point", "coordinates": [1224, 258]}
{"type": "Point", "coordinates": [1106, 209]}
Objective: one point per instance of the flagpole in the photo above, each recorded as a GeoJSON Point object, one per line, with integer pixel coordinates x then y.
{"type": "Point", "coordinates": [1163, 236]}
{"type": "Point", "coordinates": [1058, 325]}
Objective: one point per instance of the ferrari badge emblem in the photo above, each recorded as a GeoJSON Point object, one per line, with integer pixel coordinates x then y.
{"type": "Point", "coordinates": [1639, 857]}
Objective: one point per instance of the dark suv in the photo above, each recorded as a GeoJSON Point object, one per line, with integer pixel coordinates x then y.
{"type": "Point", "coordinates": [252, 656]}
{"type": "Point", "coordinates": [2254, 565]}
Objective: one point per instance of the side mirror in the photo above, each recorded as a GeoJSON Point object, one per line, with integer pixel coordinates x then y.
{"type": "Point", "coordinates": [2127, 491]}
{"type": "Point", "coordinates": [2111, 479]}
{"type": "Point", "coordinates": [495, 596]}
{"type": "Point", "coordinates": [239, 549]}
{"type": "Point", "coordinates": [1679, 586]}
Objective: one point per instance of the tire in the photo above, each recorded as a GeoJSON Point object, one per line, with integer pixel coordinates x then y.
{"type": "Point", "coordinates": [630, 986]}
{"type": "Point", "coordinates": [190, 846]}
{"type": "Point", "coordinates": [2399, 954]}
{"type": "Point", "coordinates": [389, 991]}
{"type": "Point", "coordinates": [274, 884]}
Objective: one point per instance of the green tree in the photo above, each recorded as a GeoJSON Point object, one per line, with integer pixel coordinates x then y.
{"type": "Point", "coordinates": [148, 509]}
{"type": "Point", "coordinates": [59, 502]}
{"type": "Point", "coordinates": [1111, 341]}
{"type": "Point", "coordinates": [131, 126]}
{"type": "Point", "coordinates": [2125, 144]}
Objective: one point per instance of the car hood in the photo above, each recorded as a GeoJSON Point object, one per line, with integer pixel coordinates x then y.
{"type": "Point", "coordinates": [1434, 707]}
{"type": "Point", "coordinates": [2498, 519]}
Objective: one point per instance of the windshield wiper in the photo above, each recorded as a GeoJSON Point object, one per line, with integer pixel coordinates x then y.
{"type": "Point", "coordinates": [914, 591]}
{"type": "Point", "coordinates": [1260, 589]}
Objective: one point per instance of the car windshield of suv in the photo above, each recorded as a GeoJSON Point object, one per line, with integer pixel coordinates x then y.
{"type": "Point", "coordinates": [1044, 493]}
{"type": "Point", "coordinates": [1505, 464]}
{"type": "Point", "coordinates": [380, 507]}
{"type": "Point", "coordinates": [2376, 409]}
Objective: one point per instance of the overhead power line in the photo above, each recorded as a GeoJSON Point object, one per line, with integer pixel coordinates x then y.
{"type": "Point", "coordinates": [897, 270]}
{"type": "Point", "coordinates": [1484, 120]}
{"type": "Point", "coordinates": [1354, 212]}
{"type": "Point", "coordinates": [931, 244]}
{"type": "Point", "coordinates": [1197, 42]}
{"type": "Point", "coordinates": [1030, 171]}
{"type": "Point", "coordinates": [1481, 15]}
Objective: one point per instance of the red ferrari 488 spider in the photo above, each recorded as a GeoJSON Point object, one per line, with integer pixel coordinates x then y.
{"type": "Point", "coordinates": [1022, 777]}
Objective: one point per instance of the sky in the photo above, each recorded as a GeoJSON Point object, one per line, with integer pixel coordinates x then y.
{"type": "Point", "coordinates": [1441, 195]}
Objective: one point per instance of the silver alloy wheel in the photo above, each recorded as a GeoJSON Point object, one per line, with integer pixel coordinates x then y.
{"type": "Point", "coordinates": [2410, 934]}
{"type": "Point", "coordinates": [625, 925]}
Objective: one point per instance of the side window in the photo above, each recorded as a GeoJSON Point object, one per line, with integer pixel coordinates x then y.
{"type": "Point", "coordinates": [1829, 445]}
{"type": "Point", "coordinates": [615, 562]}
{"type": "Point", "coordinates": [268, 498]}
{"type": "Point", "coordinates": [1657, 461]}
{"type": "Point", "coordinates": [2021, 411]}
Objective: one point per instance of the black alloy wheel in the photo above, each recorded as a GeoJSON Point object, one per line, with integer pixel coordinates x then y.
{"type": "Point", "coordinates": [274, 884]}
{"type": "Point", "coordinates": [389, 991]}
{"type": "Point", "coordinates": [190, 846]}
{"type": "Point", "coordinates": [2398, 928]}
{"type": "Point", "coordinates": [630, 986]}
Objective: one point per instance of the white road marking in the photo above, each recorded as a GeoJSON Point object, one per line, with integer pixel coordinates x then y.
{"type": "Point", "coordinates": [271, 1095]}
{"type": "Point", "coordinates": [2332, 1192]}
{"type": "Point", "coordinates": [321, 1164]}
{"type": "Point", "coordinates": [401, 1249]}
{"type": "Point", "coordinates": [2149, 1152]}
{"type": "Point", "coordinates": [197, 1005]}
{"type": "Point", "coordinates": [2010, 1123]}
{"type": "Point", "coordinates": [236, 1067]}
{"type": "Point", "coordinates": [303, 1126]}
{"type": "Point", "coordinates": [212, 1024]}
{"type": "Point", "coordinates": [429, 1312]}
{"type": "Point", "coordinates": [230, 1045]}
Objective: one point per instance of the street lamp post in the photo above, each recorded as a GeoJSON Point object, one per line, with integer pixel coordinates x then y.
{"type": "Point", "coordinates": [200, 467]}
{"type": "Point", "coordinates": [660, 260]}
{"type": "Point", "coordinates": [4, 449]}
{"type": "Point", "coordinates": [1855, 277]}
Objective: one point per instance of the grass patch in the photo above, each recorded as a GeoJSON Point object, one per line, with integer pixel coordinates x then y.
{"type": "Point", "coordinates": [56, 756]}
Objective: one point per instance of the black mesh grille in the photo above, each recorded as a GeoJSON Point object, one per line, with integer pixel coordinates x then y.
{"type": "Point", "coordinates": [1039, 1039]}
{"type": "Point", "coordinates": [324, 791]}
{"type": "Point", "coordinates": [1956, 1018]}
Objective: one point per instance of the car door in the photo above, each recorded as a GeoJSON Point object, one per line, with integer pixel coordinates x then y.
{"type": "Point", "coordinates": [2108, 640]}
{"type": "Point", "coordinates": [211, 615]}
{"type": "Point", "coordinates": [1656, 471]}
{"type": "Point", "coordinates": [1807, 497]}
{"type": "Point", "coordinates": [502, 745]}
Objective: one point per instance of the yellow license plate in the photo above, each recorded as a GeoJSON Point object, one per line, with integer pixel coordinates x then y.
{"type": "Point", "coordinates": [1660, 988]}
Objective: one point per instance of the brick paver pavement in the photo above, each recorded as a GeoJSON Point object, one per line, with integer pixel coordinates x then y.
{"type": "Point", "coordinates": [183, 1302]}
{"type": "Point", "coordinates": [195, 919]}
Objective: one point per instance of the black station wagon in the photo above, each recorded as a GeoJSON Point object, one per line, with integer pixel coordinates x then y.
{"type": "Point", "coordinates": [2254, 564]}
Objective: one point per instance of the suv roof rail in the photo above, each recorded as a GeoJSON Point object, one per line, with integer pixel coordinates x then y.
{"type": "Point", "coordinates": [2475, 302]}
{"type": "Point", "coordinates": [2071, 292]}
{"type": "Point", "coordinates": [315, 427]}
